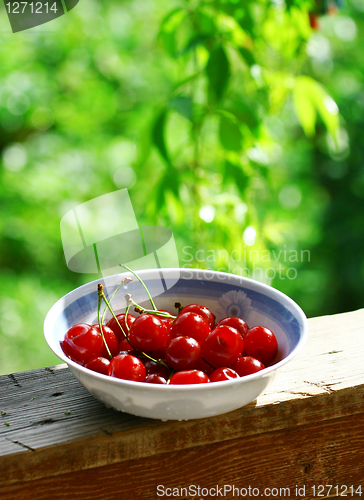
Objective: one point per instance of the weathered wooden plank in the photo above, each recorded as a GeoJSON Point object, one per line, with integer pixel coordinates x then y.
{"type": "Point", "coordinates": [283, 460]}
{"type": "Point", "coordinates": [323, 387]}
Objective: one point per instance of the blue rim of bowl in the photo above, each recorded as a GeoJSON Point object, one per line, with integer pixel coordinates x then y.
{"type": "Point", "coordinates": [214, 276]}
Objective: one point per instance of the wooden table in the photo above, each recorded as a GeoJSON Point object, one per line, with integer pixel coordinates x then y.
{"type": "Point", "coordinates": [306, 432]}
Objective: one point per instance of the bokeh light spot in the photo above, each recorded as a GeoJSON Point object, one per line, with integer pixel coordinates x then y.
{"type": "Point", "coordinates": [207, 213]}
{"type": "Point", "coordinates": [249, 235]}
{"type": "Point", "coordinates": [42, 118]}
{"type": "Point", "coordinates": [290, 197]}
{"type": "Point", "coordinates": [125, 177]}
{"type": "Point", "coordinates": [14, 157]}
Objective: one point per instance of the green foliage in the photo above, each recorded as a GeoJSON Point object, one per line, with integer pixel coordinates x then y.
{"type": "Point", "coordinates": [309, 99]}
{"type": "Point", "coordinates": [220, 117]}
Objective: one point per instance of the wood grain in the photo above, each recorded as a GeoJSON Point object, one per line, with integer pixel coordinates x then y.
{"type": "Point", "coordinates": [307, 429]}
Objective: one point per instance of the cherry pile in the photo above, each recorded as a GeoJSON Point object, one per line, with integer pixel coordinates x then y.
{"type": "Point", "coordinates": [160, 348]}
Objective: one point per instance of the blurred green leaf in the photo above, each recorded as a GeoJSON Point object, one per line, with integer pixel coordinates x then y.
{"type": "Point", "coordinates": [169, 183]}
{"type": "Point", "coordinates": [218, 72]}
{"type": "Point", "coordinates": [204, 21]}
{"type": "Point", "coordinates": [247, 55]}
{"type": "Point", "coordinates": [309, 98]}
{"type": "Point", "coordinates": [304, 105]}
{"type": "Point", "coordinates": [183, 105]}
{"type": "Point", "coordinates": [168, 30]}
{"type": "Point", "coordinates": [158, 135]}
{"type": "Point", "coordinates": [229, 133]}
{"type": "Point", "coordinates": [236, 174]}
{"type": "Point", "coordinates": [194, 42]}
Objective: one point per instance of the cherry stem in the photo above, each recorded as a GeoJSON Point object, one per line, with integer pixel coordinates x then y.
{"type": "Point", "coordinates": [126, 317]}
{"type": "Point", "coordinates": [126, 280]}
{"type": "Point", "coordinates": [142, 282]}
{"type": "Point", "coordinates": [113, 315]}
{"type": "Point", "coordinates": [170, 376]}
{"type": "Point", "coordinates": [142, 310]}
{"type": "Point", "coordinates": [178, 306]}
{"type": "Point", "coordinates": [210, 365]}
{"type": "Point", "coordinates": [101, 293]}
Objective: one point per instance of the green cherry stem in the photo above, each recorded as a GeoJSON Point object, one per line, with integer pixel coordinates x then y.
{"type": "Point", "coordinates": [170, 376]}
{"type": "Point", "coordinates": [131, 302]}
{"type": "Point", "coordinates": [126, 280]}
{"type": "Point", "coordinates": [100, 294]}
{"type": "Point", "coordinates": [126, 316]}
{"type": "Point", "coordinates": [142, 282]}
{"type": "Point", "coordinates": [142, 310]}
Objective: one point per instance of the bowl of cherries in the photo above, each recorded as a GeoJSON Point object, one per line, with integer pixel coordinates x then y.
{"type": "Point", "coordinates": [175, 344]}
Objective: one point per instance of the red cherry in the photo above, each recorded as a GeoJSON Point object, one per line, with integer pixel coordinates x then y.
{"type": "Point", "coordinates": [261, 343]}
{"type": "Point", "coordinates": [190, 324]}
{"type": "Point", "coordinates": [127, 367]}
{"type": "Point", "coordinates": [167, 321]}
{"type": "Point", "coordinates": [222, 347]}
{"type": "Point", "coordinates": [235, 322]}
{"type": "Point", "coordinates": [247, 365]}
{"type": "Point", "coordinates": [154, 378]}
{"type": "Point", "coordinates": [115, 327]}
{"type": "Point", "coordinates": [161, 352]}
{"type": "Point", "coordinates": [148, 333]}
{"type": "Point", "coordinates": [82, 342]}
{"type": "Point", "coordinates": [189, 377]}
{"type": "Point", "coordinates": [111, 340]}
{"type": "Point", "coordinates": [125, 346]}
{"type": "Point", "coordinates": [203, 311]}
{"type": "Point", "coordinates": [183, 353]}
{"type": "Point", "coordinates": [204, 367]}
{"type": "Point", "coordinates": [157, 369]}
{"type": "Point", "coordinates": [99, 364]}
{"type": "Point", "coordinates": [223, 373]}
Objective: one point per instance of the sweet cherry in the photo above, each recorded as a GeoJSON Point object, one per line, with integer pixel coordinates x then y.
{"type": "Point", "coordinates": [148, 333]}
{"type": "Point", "coordinates": [82, 342]}
{"type": "Point", "coordinates": [99, 364]}
{"type": "Point", "coordinates": [223, 373]}
{"type": "Point", "coordinates": [115, 327]}
{"type": "Point", "coordinates": [261, 343]}
{"type": "Point", "coordinates": [189, 377]}
{"type": "Point", "coordinates": [190, 324]}
{"type": "Point", "coordinates": [125, 346]}
{"type": "Point", "coordinates": [203, 311]}
{"type": "Point", "coordinates": [127, 367]}
{"type": "Point", "coordinates": [235, 322]}
{"type": "Point", "coordinates": [204, 367]}
{"type": "Point", "coordinates": [247, 365]}
{"type": "Point", "coordinates": [222, 347]}
{"type": "Point", "coordinates": [111, 341]}
{"type": "Point", "coordinates": [183, 353]}
{"type": "Point", "coordinates": [156, 368]}
{"type": "Point", "coordinates": [154, 378]}
{"type": "Point", "coordinates": [167, 321]}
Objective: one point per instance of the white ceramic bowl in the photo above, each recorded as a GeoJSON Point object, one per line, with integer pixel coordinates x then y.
{"type": "Point", "coordinates": [226, 295]}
